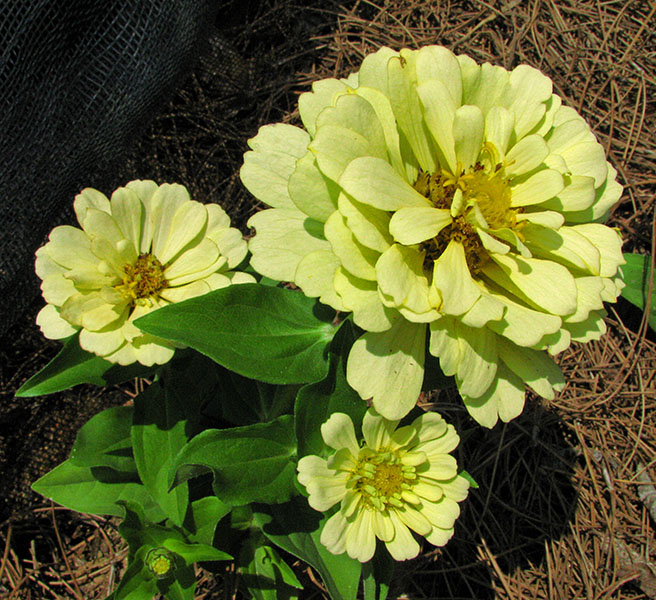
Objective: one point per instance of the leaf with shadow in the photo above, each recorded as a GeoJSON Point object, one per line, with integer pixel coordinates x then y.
{"type": "Point", "coordinates": [296, 528]}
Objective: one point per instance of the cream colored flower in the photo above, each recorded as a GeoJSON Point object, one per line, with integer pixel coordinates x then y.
{"type": "Point", "coordinates": [147, 247]}
{"type": "Point", "coordinates": [399, 480]}
{"type": "Point", "coordinates": [432, 196]}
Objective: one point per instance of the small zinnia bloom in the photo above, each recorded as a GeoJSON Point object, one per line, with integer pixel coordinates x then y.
{"type": "Point", "coordinates": [447, 205]}
{"type": "Point", "coordinates": [147, 247]}
{"type": "Point", "coordinates": [398, 481]}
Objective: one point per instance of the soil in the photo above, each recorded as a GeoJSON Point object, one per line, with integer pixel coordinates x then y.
{"type": "Point", "coordinates": [557, 514]}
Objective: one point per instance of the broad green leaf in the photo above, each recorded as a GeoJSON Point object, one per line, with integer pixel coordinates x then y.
{"type": "Point", "coordinates": [637, 277]}
{"type": "Point", "coordinates": [73, 366]}
{"type": "Point", "coordinates": [95, 490]}
{"type": "Point", "coordinates": [167, 415]}
{"type": "Point", "coordinates": [104, 441]}
{"type": "Point", "coordinates": [317, 401]}
{"type": "Point", "coordinates": [192, 553]}
{"type": "Point", "coordinates": [267, 576]}
{"type": "Point", "coordinates": [136, 584]}
{"type": "Point", "coordinates": [242, 401]}
{"type": "Point", "coordinates": [183, 587]}
{"type": "Point", "coordinates": [377, 575]}
{"type": "Point", "coordinates": [250, 464]}
{"type": "Point", "coordinates": [202, 518]}
{"type": "Point", "coordinates": [267, 333]}
{"type": "Point", "coordinates": [296, 528]}
{"type": "Point", "coordinates": [144, 536]}
{"type": "Point", "coordinates": [158, 434]}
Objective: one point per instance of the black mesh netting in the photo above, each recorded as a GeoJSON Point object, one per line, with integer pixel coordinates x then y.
{"type": "Point", "coordinates": [78, 80]}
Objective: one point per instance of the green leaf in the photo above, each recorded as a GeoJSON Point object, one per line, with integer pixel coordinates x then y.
{"type": "Point", "coordinates": [196, 552]}
{"type": "Point", "coordinates": [202, 518]}
{"type": "Point", "coordinates": [144, 536]}
{"type": "Point", "coordinates": [377, 575]}
{"type": "Point", "coordinates": [157, 436]}
{"type": "Point", "coordinates": [267, 575]}
{"type": "Point", "coordinates": [637, 277]}
{"type": "Point", "coordinates": [95, 490]}
{"type": "Point", "coordinates": [296, 528]}
{"type": "Point", "coordinates": [267, 333]}
{"type": "Point", "coordinates": [183, 587]}
{"type": "Point", "coordinates": [137, 583]}
{"type": "Point", "coordinates": [472, 482]}
{"type": "Point", "coordinates": [73, 366]}
{"type": "Point", "coordinates": [104, 441]}
{"type": "Point", "coordinates": [317, 401]}
{"type": "Point", "coordinates": [242, 401]}
{"type": "Point", "coordinates": [250, 464]}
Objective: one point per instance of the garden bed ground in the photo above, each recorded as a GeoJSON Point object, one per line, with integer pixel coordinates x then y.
{"type": "Point", "coordinates": [557, 514]}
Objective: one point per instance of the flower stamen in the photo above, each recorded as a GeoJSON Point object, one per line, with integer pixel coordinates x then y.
{"type": "Point", "coordinates": [144, 279]}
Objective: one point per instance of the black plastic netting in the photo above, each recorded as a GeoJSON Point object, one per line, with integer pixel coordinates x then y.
{"type": "Point", "coordinates": [79, 79]}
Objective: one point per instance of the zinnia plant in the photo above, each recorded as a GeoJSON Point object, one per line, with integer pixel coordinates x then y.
{"type": "Point", "coordinates": [399, 480]}
{"type": "Point", "coordinates": [445, 208]}
{"type": "Point", "coordinates": [147, 247]}
{"type": "Point", "coordinates": [447, 205]}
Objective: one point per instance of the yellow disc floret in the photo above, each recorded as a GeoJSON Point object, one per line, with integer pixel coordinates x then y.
{"type": "Point", "coordinates": [482, 186]}
{"type": "Point", "coordinates": [382, 478]}
{"type": "Point", "coordinates": [144, 278]}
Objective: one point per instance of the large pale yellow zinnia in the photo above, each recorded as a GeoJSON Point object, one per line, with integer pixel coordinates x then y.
{"type": "Point", "coordinates": [447, 205]}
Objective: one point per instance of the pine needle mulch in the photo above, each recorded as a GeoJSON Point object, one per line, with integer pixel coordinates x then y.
{"type": "Point", "coordinates": [558, 514]}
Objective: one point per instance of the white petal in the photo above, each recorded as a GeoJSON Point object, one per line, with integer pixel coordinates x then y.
{"type": "Point", "coordinates": [127, 211]}
{"type": "Point", "coordinates": [452, 278]}
{"type": "Point", "coordinates": [536, 368]}
{"type": "Point", "coordinates": [187, 224]}
{"type": "Point", "coordinates": [401, 279]}
{"type": "Point", "coordinates": [90, 198]}
{"type": "Point", "coordinates": [310, 104]}
{"type": "Point", "coordinates": [377, 430]}
{"type": "Point", "coordinates": [374, 181]}
{"type": "Point", "coordinates": [468, 129]}
{"type": "Point", "coordinates": [369, 225]}
{"type": "Point", "coordinates": [360, 538]}
{"type": "Point", "coordinates": [195, 260]}
{"type": "Point", "coordinates": [499, 123]}
{"type": "Point", "coordinates": [389, 367]}
{"type": "Point", "coordinates": [542, 283]}
{"type": "Point", "coordinates": [403, 546]}
{"type": "Point", "coordinates": [267, 168]}
{"type": "Point", "coordinates": [361, 297]}
{"type": "Point", "coordinates": [52, 325]}
{"type": "Point", "coordinates": [478, 360]}
{"type": "Point", "coordinates": [333, 534]}
{"type": "Point", "coordinates": [355, 258]}
{"type": "Point", "coordinates": [311, 191]}
{"type": "Point", "coordinates": [338, 432]}
{"type": "Point", "coordinates": [526, 155]}
{"type": "Point", "coordinates": [439, 111]}
{"type": "Point", "coordinates": [538, 188]}
{"type": "Point", "coordinates": [282, 238]}
{"type": "Point", "coordinates": [412, 225]}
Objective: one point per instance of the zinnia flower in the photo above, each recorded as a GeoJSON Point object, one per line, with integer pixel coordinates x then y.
{"type": "Point", "coordinates": [145, 248]}
{"type": "Point", "coordinates": [430, 195]}
{"type": "Point", "coordinates": [399, 480]}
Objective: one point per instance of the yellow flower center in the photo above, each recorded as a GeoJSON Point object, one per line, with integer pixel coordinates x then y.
{"type": "Point", "coordinates": [160, 562]}
{"type": "Point", "coordinates": [144, 279]}
{"type": "Point", "coordinates": [483, 187]}
{"type": "Point", "coordinates": [382, 478]}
